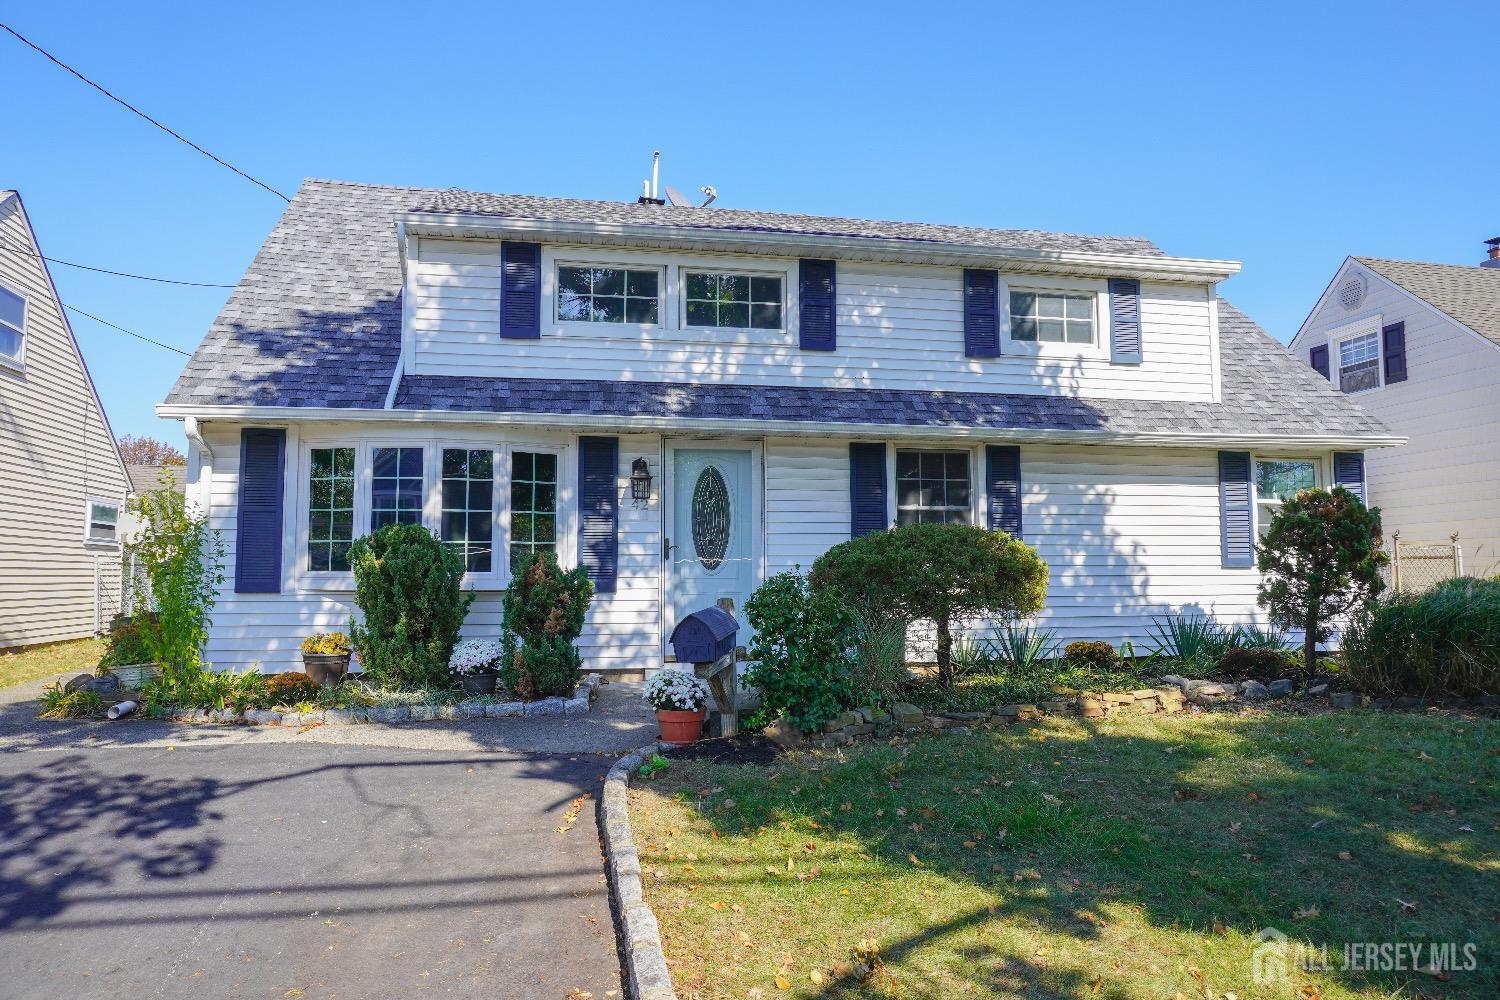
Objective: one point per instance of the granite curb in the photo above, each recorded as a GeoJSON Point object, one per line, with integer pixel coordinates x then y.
{"type": "Point", "coordinates": [640, 937]}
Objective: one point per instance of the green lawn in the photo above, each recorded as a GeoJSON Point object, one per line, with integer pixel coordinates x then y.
{"type": "Point", "coordinates": [1137, 857]}
{"type": "Point", "coordinates": [80, 655]}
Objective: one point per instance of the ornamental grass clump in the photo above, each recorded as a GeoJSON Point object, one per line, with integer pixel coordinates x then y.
{"type": "Point", "coordinates": [1444, 642]}
{"type": "Point", "coordinates": [676, 691]}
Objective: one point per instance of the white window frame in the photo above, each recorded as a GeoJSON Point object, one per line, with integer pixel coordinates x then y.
{"type": "Point", "coordinates": [18, 362]}
{"type": "Point", "coordinates": [1321, 478]}
{"type": "Point", "coordinates": [88, 521]}
{"type": "Point", "coordinates": [330, 579]}
{"type": "Point", "coordinates": [553, 283]}
{"type": "Point", "coordinates": [1097, 287]}
{"type": "Point", "coordinates": [684, 270]}
{"type": "Point", "coordinates": [563, 515]}
{"type": "Point", "coordinates": [1341, 335]}
{"type": "Point", "coordinates": [978, 491]}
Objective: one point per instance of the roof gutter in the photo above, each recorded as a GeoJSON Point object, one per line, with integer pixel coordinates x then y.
{"type": "Point", "coordinates": [762, 428]}
{"type": "Point", "coordinates": [851, 247]}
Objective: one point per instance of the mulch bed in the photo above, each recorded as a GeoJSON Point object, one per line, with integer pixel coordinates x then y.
{"type": "Point", "coordinates": [743, 748]}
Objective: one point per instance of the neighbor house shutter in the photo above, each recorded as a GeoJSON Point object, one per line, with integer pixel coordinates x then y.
{"type": "Point", "coordinates": [521, 290]}
{"type": "Point", "coordinates": [598, 510]}
{"type": "Point", "coordinates": [1004, 469]}
{"type": "Point", "coordinates": [1393, 340]}
{"type": "Point", "coordinates": [817, 291]}
{"type": "Point", "coordinates": [867, 502]}
{"type": "Point", "coordinates": [1318, 358]}
{"type": "Point", "coordinates": [981, 314]}
{"type": "Point", "coordinates": [257, 536]}
{"type": "Point", "coordinates": [1124, 321]}
{"type": "Point", "coordinates": [1349, 472]}
{"type": "Point", "coordinates": [1234, 509]}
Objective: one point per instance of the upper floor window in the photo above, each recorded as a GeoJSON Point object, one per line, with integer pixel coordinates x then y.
{"type": "Point", "coordinates": [608, 295]}
{"type": "Point", "coordinates": [1359, 363]}
{"type": "Point", "coordinates": [12, 323]}
{"type": "Point", "coordinates": [396, 487]}
{"type": "Point", "coordinates": [737, 301]}
{"type": "Point", "coordinates": [330, 509]}
{"type": "Point", "coordinates": [1278, 480]}
{"type": "Point", "coordinates": [103, 522]}
{"type": "Point", "coordinates": [1052, 317]}
{"type": "Point", "coordinates": [533, 503]}
{"type": "Point", "coordinates": [932, 487]}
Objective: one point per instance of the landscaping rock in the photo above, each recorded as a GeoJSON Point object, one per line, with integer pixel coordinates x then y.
{"type": "Point", "coordinates": [78, 682]}
{"type": "Point", "coordinates": [1255, 691]}
{"type": "Point", "coordinates": [1409, 702]}
{"type": "Point", "coordinates": [1119, 697]}
{"type": "Point", "coordinates": [1146, 706]}
{"type": "Point", "coordinates": [447, 712]}
{"type": "Point", "coordinates": [1180, 683]}
{"type": "Point", "coordinates": [1212, 689]}
{"type": "Point", "coordinates": [262, 717]}
{"type": "Point", "coordinates": [422, 713]}
{"type": "Point", "coordinates": [1317, 690]}
{"type": "Point", "coordinates": [337, 716]}
{"type": "Point", "coordinates": [1344, 699]}
{"type": "Point", "coordinates": [866, 713]}
{"type": "Point", "coordinates": [784, 734]}
{"type": "Point", "coordinates": [1091, 708]}
{"type": "Point", "coordinates": [1280, 688]}
{"type": "Point", "coordinates": [504, 710]}
{"type": "Point", "coordinates": [471, 710]}
{"type": "Point", "coordinates": [906, 713]}
{"type": "Point", "coordinates": [1057, 707]}
{"type": "Point", "coordinates": [312, 718]}
{"type": "Point", "coordinates": [840, 721]}
{"type": "Point", "coordinates": [1487, 700]}
{"type": "Point", "coordinates": [578, 705]}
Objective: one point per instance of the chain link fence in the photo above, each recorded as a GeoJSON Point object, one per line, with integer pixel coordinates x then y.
{"type": "Point", "coordinates": [1419, 566]}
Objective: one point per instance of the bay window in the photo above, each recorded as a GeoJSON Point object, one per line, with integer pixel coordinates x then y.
{"type": "Point", "coordinates": [533, 503]}
{"type": "Point", "coordinates": [468, 488]}
{"type": "Point", "coordinates": [330, 509]}
{"type": "Point", "coordinates": [395, 487]}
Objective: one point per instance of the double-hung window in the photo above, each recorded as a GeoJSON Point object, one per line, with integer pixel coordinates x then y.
{"type": "Point", "coordinates": [932, 487]}
{"type": "Point", "coordinates": [103, 522]}
{"type": "Point", "coordinates": [395, 487]}
{"type": "Point", "coordinates": [1042, 317]}
{"type": "Point", "coordinates": [330, 509]}
{"type": "Point", "coordinates": [608, 294]}
{"type": "Point", "coordinates": [533, 503]}
{"type": "Point", "coordinates": [468, 519]}
{"type": "Point", "coordinates": [1278, 480]}
{"type": "Point", "coordinates": [1359, 363]}
{"type": "Point", "coordinates": [12, 324]}
{"type": "Point", "coordinates": [735, 301]}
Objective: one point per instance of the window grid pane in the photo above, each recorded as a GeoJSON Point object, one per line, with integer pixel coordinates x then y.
{"type": "Point", "coordinates": [733, 301]}
{"type": "Point", "coordinates": [1052, 317]}
{"type": "Point", "coordinates": [932, 487]}
{"type": "Point", "coordinates": [608, 295]}
{"type": "Point", "coordinates": [533, 504]}
{"type": "Point", "coordinates": [330, 509]}
{"type": "Point", "coordinates": [468, 490]}
{"type": "Point", "coordinates": [396, 487]}
{"type": "Point", "coordinates": [1359, 363]}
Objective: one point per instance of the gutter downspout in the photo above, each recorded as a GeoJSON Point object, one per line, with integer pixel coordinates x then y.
{"type": "Point", "coordinates": [194, 432]}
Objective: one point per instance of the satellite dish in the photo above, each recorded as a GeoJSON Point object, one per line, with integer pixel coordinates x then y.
{"type": "Point", "coordinates": [677, 199]}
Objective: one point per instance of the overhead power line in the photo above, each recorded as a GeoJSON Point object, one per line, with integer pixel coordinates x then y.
{"type": "Point", "coordinates": [135, 110]}
{"type": "Point", "coordinates": [105, 270]}
{"type": "Point", "coordinates": [132, 333]}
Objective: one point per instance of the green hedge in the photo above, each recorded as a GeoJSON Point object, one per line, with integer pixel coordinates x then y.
{"type": "Point", "coordinates": [1444, 642]}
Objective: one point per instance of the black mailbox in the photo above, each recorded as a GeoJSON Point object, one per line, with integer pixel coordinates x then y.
{"type": "Point", "coordinates": [704, 636]}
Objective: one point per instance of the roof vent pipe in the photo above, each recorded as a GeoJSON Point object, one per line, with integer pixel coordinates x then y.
{"type": "Point", "coordinates": [650, 189]}
{"type": "Point", "coordinates": [1493, 260]}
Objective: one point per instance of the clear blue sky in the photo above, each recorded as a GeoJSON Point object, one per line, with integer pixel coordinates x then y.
{"type": "Point", "coordinates": [1285, 139]}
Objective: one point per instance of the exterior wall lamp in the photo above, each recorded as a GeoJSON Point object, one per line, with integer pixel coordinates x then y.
{"type": "Point", "coordinates": [640, 480]}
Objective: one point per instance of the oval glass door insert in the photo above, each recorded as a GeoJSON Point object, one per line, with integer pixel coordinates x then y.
{"type": "Point", "coordinates": [711, 518]}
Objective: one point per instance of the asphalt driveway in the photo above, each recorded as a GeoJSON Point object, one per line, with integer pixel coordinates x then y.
{"type": "Point", "coordinates": [301, 870]}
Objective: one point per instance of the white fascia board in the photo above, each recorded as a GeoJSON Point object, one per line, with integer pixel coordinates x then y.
{"type": "Point", "coordinates": [844, 247]}
{"type": "Point", "coordinates": [281, 415]}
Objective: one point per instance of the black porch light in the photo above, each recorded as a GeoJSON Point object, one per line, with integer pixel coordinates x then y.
{"type": "Point", "coordinates": [640, 480]}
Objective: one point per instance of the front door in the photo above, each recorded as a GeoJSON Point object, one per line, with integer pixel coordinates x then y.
{"type": "Point", "coordinates": [711, 554]}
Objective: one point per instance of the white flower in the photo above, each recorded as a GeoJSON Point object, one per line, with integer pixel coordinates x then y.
{"type": "Point", "coordinates": [676, 691]}
{"type": "Point", "coordinates": [474, 656]}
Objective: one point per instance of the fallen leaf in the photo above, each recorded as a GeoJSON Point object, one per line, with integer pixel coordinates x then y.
{"type": "Point", "coordinates": [782, 983]}
{"type": "Point", "coordinates": [1305, 913]}
{"type": "Point", "coordinates": [816, 977]}
{"type": "Point", "coordinates": [1346, 856]}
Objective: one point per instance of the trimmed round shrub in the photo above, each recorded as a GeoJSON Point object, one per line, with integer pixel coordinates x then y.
{"type": "Point", "coordinates": [803, 651]}
{"type": "Point", "coordinates": [1443, 642]}
{"type": "Point", "coordinates": [544, 609]}
{"type": "Point", "coordinates": [408, 586]}
{"type": "Point", "coordinates": [1256, 663]}
{"type": "Point", "coordinates": [1092, 655]}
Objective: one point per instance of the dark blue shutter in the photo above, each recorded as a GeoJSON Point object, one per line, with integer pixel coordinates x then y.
{"type": "Point", "coordinates": [1234, 509]}
{"type": "Point", "coordinates": [598, 510]}
{"type": "Point", "coordinates": [867, 504]}
{"type": "Point", "coordinates": [521, 290]}
{"type": "Point", "coordinates": [1349, 472]}
{"type": "Point", "coordinates": [1004, 469]}
{"type": "Point", "coordinates": [981, 314]}
{"type": "Point", "coordinates": [817, 292]}
{"type": "Point", "coordinates": [257, 536]}
{"type": "Point", "coordinates": [1124, 321]}
{"type": "Point", "coordinates": [1318, 358]}
{"type": "Point", "coordinates": [1393, 339]}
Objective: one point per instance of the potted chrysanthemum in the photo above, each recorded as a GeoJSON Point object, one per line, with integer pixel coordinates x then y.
{"type": "Point", "coordinates": [476, 664]}
{"type": "Point", "coordinates": [679, 699]}
{"type": "Point", "coordinates": [325, 657]}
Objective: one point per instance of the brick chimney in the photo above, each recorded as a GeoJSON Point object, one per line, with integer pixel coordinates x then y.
{"type": "Point", "coordinates": [1493, 260]}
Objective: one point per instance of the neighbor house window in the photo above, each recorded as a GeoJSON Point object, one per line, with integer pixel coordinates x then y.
{"type": "Point", "coordinates": [103, 522]}
{"type": "Point", "coordinates": [932, 487]}
{"type": "Point", "coordinates": [12, 323]}
{"type": "Point", "coordinates": [608, 295]}
{"type": "Point", "coordinates": [1278, 480]}
{"type": "Point", "coordinates": [396, 487]}
{"type": "Point", "coordinates": [1359, 363]}
{"type": "Point", "coordinates": [468, 521]}
{"type": "Point", "coordinates": [1052, 317]}
{"type": "Point", "coordinates": [533, 504]}
{"type": "Point", "coordinates": [741, 301]}
{"type": "Point", "coordinates": [330, 509]}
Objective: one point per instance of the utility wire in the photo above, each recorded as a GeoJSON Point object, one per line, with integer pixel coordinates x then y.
{"type": "Point", "coordinates": [132, 333]}
{"type": "Point", "coordinates": [132, 108]}
{"type": "Point", "coordinates": [102, 270]}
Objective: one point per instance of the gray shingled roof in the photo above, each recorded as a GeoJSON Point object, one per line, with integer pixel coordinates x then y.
{"type": "Point", "coordinates": [146, 478]}
{"type": "Point", "coordinates": [1470, 295]}
{"type": "Point", "coordinates": [316, 322]}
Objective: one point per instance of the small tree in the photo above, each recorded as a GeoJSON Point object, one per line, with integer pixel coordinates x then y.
{"type": "Point", "coordinates": [1320, 558]}
{"type": "Point", "coordinates": [940, 572]}
{"type": "Point", "coordinates": [407, 585]}
{"type": "Point", "coordinates": [803, 651]}
{"type": "Point", "coordinates": [145, 450]}
{"type": "Point", "coordinates": [182, 559]}
{"type": "Point", "coordinates": [543, 617]}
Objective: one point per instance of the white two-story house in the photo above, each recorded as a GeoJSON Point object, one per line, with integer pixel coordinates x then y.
{"type": "Point", "coordinates": [688, 400]}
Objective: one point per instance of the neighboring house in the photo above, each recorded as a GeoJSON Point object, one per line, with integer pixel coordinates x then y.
{"type": "Point", "coordinates": [509, 371]}
{"type": "Point", "coordinates": [62, 483]}
{"type": "Point", "coordinates": [1418, 345]}
{"type": "Point", "coordinates": [147, 478]}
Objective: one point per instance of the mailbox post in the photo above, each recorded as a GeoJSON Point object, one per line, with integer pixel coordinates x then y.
{"type": "Point", "coordinates": [706, 639]}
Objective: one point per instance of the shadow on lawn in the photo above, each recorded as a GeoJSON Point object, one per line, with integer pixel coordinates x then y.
{"type": "Point", "coordinates": [1321, 826]}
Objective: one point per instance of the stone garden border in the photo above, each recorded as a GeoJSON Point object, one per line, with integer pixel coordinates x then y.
{"type": "Point", "coordinates": [577, 705]}
{"type": "Point", "coordinates": [640, 936]}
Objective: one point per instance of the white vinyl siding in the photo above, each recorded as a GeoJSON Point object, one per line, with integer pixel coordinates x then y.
{"type": "Point", "coordinates": [899, 327]}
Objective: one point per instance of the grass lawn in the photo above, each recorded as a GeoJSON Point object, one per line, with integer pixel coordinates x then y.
{"type": "Point", "coordinates": [1138, 857]}
{"type": "Point", "coordinates": [80, 655]}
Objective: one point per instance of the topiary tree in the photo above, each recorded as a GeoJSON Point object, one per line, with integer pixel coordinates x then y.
{"type": "Point", "coordinates": [939, 572]}
{"type": "Point", "coordinates": [1320, 558]}
{"type": "Point", "coordinates": [408, 586]}
{"type": "Point", "coordinates": [802, 656]}
{"type": "Point", "coordinates": [543, 617]}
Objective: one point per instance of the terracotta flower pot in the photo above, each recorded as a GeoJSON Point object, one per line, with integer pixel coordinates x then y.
{"type": "Point", "coordinates": [325, 668]}
{"type": "Point", "coordinates": [680, 728]}
{"type": "Point", "coordinates": [480, 683]}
